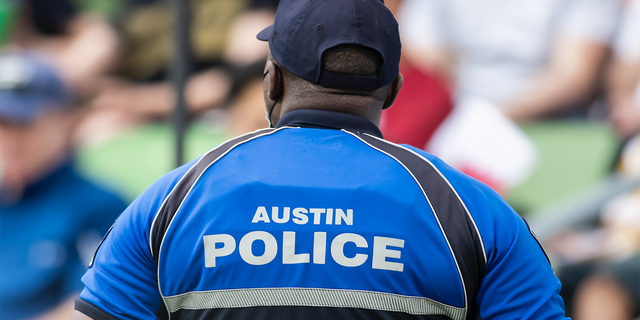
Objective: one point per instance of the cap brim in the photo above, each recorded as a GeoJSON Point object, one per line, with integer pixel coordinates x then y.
{"type": "Point", "coordinates": [265, 34]}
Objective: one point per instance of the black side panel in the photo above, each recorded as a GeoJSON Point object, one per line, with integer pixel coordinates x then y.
{"type": "Point", "coordinates": [170, 206]}
{"type": "Point", "coordinates": [456, 223]}
{"type": "Point", "coordinates": [302, 313]}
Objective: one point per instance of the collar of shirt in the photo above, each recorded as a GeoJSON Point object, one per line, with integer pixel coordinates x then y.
{"type": "Point", "coordinates": [320, 119]}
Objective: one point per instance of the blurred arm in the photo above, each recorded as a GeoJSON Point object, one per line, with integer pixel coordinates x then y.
{"type": "Point", "coordinates": [438, 60]}
{"type": "Point", "coordinates": [425, 31]}
{"type": "Point", "coordinates": [204, 90]}
{"type": "Point", "coordinates": [569, 78]}
{"type": "Point", "coordinates": [60, 312]}
{"type": "Point", "coordinates": [90, 49]}
{"type": "Point", "coordinates": [77, 315]}
{"type": "Point", "coordinates": [624, 106]}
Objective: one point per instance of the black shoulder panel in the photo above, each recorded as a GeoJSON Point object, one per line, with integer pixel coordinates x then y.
{"type": "Point", "coordinates": [456, 223]}
{"type": "Point", "coordinates": [174, 199]}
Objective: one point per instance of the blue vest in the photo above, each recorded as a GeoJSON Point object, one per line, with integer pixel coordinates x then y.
{"type": "Point", "coordinates": [320, 218]}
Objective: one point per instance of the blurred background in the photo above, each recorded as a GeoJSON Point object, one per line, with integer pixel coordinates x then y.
{"type": "Point", "coordinates": [539, 99]}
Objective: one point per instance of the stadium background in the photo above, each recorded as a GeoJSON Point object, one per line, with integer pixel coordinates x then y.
{"type": "Point", "coordinates": [584, 164]}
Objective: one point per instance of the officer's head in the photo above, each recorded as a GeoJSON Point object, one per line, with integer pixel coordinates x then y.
{"type": "Point", "coordinates": [338, 55]}
{"type": "Point", "coordinates": [36, 118]}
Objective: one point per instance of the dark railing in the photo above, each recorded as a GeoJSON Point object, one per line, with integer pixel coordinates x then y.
{"type": "Point", "coordinates": [180, 71]}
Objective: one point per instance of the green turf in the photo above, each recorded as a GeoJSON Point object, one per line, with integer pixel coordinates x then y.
{"type": "Point", "coordinates": [134, 159]}
{"type": "Point", "coordinates": [572, 155]}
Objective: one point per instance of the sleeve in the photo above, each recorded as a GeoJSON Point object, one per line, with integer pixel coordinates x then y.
{"type": "Point", "coordinates": [423, 23]}
{"type": "Point", "coordinates": [122, 283]}
{"type": "Point", "coordinates": [518, 280]}
{"type": "Point", "coordinates": [590, 20]}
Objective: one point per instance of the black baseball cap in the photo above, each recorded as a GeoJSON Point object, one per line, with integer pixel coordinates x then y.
{"type": "Point", "coordinates": [304, 29]}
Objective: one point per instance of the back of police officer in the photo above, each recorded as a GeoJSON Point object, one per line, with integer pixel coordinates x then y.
{"type": "Point", "coordinates": [319, 217]}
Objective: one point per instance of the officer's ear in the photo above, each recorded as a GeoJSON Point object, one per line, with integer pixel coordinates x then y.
{"type": "Point", "coordinates": [396, 85]}
{"type": "Point", "coordinates": [274, 81]}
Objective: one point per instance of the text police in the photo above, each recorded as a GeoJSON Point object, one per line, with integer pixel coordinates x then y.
{"type": "Point", "coordinates": [221, 245]}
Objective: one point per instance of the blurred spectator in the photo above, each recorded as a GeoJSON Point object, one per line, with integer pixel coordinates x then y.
{"type": "Point", "coordinates": [132, 159]}
{"type": "Point", "coordinates": [600, 268]}
{"type": "Point", "coordinates": [612, 293]}
{"type": "Point", "coordinates": [423, 102]}
{"type": "Point", "coordinates": [528, 57]}
{"type": "Point", "coordinates": [221, 45]}
{"type": "Point", "coordinates": [603, 282]}
{"type": "Point", "coordinates": [83, 46]}
{"type": "Point", "coordinates": [624, 76]}
{"type": "Point", "coordinates": [52, 218]}
{"type": "Point", "coordinates": [509, 62]}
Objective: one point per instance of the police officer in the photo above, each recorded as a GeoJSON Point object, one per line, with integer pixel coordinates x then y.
{"type": "Point", "coordinates": [318, 217]}
{"type": "Point", "coordinates": [51, 217]}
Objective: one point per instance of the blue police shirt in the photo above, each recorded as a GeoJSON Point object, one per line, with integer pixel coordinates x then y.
{"type": "Point", "coordinates": [47, 239]}
{"type": "Point", "coordinates": [319, 218]}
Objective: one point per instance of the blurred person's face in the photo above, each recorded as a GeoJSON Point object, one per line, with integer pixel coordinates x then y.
{"type": "Point", "coordinates": [29, 151]}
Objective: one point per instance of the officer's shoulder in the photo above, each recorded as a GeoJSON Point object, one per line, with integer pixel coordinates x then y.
{"type": "Point", "coordinates": [473, 192]}
{"type": "Point", "coordinates": [164, 185]}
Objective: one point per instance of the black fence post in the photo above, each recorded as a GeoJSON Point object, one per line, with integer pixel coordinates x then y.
{"type": "Point", "coordinates": [180, 73]}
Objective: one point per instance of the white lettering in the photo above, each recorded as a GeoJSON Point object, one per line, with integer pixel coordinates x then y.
{"type": "Point", "coordinates": [289, 255]}
{"type": "Point", "coordinates": [348, 218]}
{"type": "Point", "coordinates": [317, 213]}
{"type": "Point", "coordinates": [319, 247]}
{"type": "Point", "coordinates": [211, 252]}
{"type": "Point", "coordinates": [285, 215]}
{"type": "Point", "coordinates": [299, 216]}
{"type": "Point", "coordinates": [337, 249]}
{"type": "Point", "coordinates": [380, 253]}
{"type": "Point", "coordinates": [329, 216]}
{"type": "Point", "coordinates": [270, 248]}
{"type": "Point", "coordinates": [260, 215]}
{"type": "Point", "coordinates": [222, 245]}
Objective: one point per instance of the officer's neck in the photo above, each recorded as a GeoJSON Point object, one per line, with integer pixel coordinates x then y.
{"type": "Point", "coordinates": [365, 107]}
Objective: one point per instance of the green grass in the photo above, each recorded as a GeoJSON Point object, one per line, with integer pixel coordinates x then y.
{"type": "Point", "coordinates": [572, 155]}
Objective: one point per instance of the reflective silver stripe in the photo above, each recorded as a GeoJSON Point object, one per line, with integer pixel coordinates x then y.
{"type": "Point", "coordinates": [237, 298]}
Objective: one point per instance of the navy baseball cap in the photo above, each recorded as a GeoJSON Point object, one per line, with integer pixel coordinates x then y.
{"type": "Point", "coordinates": [29, 88]}
{"type": "Point", "coordinates": [304, 29]}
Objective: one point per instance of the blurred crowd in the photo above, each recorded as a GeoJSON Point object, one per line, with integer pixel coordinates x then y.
{"type": "Point", "coordinates": [78, 75]}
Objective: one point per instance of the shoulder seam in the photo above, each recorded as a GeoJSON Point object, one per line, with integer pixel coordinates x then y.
{"type": "Point", "coordinates": [248, 137]}
{"type": "Point", "coordinates": [463, 240]}
{"type": "Point", "coordinates": [452, 188]}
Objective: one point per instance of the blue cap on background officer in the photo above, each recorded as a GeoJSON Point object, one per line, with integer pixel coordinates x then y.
{"type": "Point", "coordinates": [37, 118]}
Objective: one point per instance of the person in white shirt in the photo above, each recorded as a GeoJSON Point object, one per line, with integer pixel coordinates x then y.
{"type": "Point", "coordinates": [530, 58]}
{"type": "Point", "coordinates": [624, 74]}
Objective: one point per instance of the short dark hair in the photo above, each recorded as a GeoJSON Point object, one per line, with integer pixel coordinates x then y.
{"type": "Point", "coordinates": [349, 59]}
{"type": "Point", "coordinates": [352, 59]}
